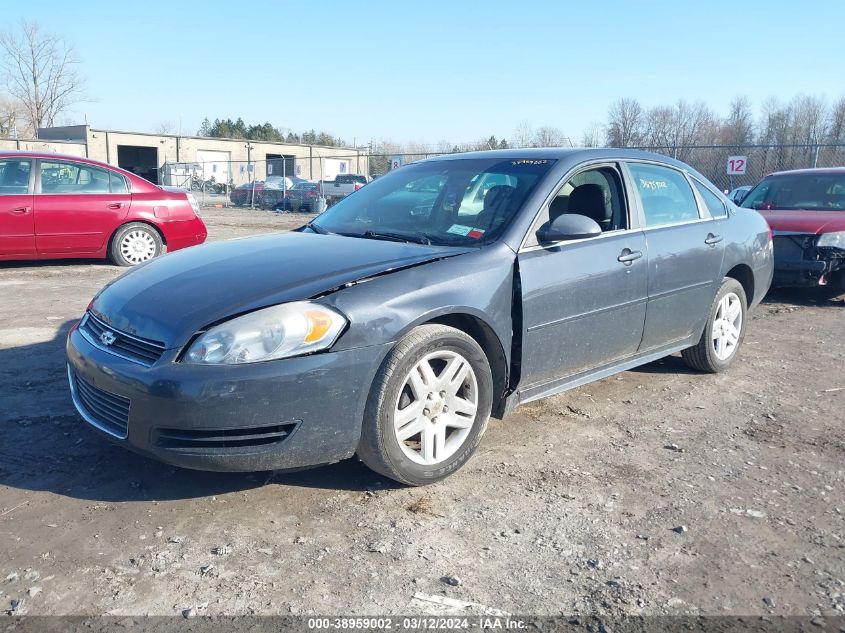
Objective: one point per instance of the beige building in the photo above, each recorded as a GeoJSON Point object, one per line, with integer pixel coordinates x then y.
{"type": "Point", "coordinates": [169, 159]}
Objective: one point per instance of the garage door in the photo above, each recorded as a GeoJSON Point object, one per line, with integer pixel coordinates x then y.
{"type": "Point", "coordinates": [214, 163]}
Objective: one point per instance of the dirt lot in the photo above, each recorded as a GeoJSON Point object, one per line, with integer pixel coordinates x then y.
{"type": "Point", "coordinates": [568, 506]}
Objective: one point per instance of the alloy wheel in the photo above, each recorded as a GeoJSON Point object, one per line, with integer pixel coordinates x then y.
{"type": "Point", "coordinates": [436, 408]}
{"type": "Point", "coordinates": [727, 326]}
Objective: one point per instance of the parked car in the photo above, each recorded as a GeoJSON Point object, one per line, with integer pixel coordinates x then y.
{"type": "Point", "coordinates": [56, 207]}
{"type": "Point", "coordinates": [247, 194]}
{"type": "Point", "coordinates": [302, 197]}
{"type": "Point", "coordinates": [394, 327]}
{"type": "Point", "coordinates": [806, 210]}
{"type": "Point", "coordinates": [737, 194]}
{"type": "Point", "coordinates": [275, 189]}
{"type": "Point", "coordinates": [342, 186]}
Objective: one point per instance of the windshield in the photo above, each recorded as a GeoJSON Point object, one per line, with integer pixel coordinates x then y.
{"type": "Point", "coordinates": [456, 202]}
{"type": "Point", "coordinates": [799, 191]}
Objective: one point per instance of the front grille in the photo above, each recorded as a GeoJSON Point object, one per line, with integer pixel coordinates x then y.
{"type": "Point", "coordinates": [126, 346]}
{"type": "Point", "coordinates": [791, 247]}
{"type": "Point", "coordinates": [223, 438]}
{"type": "Point", "coordinates": [107, 411]}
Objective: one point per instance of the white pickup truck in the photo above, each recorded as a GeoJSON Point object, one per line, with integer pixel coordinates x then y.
{"type": "Point", "coordinates": [342, 186]}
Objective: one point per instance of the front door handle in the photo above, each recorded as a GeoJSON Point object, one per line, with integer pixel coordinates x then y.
{"type": "Point", "coordinates": [712, 240]}
{"type": "Point", "coordinates": [627, 256]}
{"type": "Point", "coordinates": [116, 205]}
{"type": "Point", "coordinates": [20, 211]}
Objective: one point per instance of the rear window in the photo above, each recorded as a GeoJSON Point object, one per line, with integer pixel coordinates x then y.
{"type": "Point", "coordinates": [811, 191]}
{"type": "Point", "coordinates": [350, 178]}
{"type": "Point", "coordinates": [14, 176]}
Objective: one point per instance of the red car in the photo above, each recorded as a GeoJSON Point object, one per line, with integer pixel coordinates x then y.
{"type": "Point", "coordinates": [57, 207]}
{"type": "Point", "coordinates": [805, 209]}
{"type": "Point", "coordinates": [247, 193]}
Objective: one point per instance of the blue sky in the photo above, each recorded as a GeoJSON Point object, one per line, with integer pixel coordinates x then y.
{"type": "Point", "coordinates": [431, 70]}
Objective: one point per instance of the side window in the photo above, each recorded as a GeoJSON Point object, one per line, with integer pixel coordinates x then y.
{"type": "Point", "coordinates": [118, 183]}
{"type": "Point", "coordinates": [62, 177]}
{"type": "Point", "coordinates": [665, 194]}
{"type": "Point", "coordinates": [713, 203]}
{"type": "Point", "coordinates": [14, 176]}
{"type": "Point", "coordinates": [596, 193]}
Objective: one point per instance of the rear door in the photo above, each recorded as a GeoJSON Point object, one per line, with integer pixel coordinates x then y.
{"type": "Point", "coordinates": [685, 252]}
{"type": "Point", "coordinates": [77, 207]}
{"type": "Point", "coordinates": [17, 227]}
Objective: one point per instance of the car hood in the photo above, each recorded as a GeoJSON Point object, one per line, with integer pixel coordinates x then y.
{"type": "Point", "coordinates": [805, 221]}
{"type": "Point", "coordinates": [170, 298]}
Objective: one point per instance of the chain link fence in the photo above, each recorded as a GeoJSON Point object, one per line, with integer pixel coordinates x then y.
{"type": "Point", "coordinates": [259, 183]}
{"type": "Point", "coordinates": [711, 160]}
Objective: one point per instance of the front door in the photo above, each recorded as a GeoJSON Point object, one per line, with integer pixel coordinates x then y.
{"type": "Point", "coordinates": [685, 252]}
{"type": "Point", "coordinates": [583, 302]}
{"type": "Point", "coordinates": [17, 227]}
{"type": "Point", "coordinates": [77, 207]}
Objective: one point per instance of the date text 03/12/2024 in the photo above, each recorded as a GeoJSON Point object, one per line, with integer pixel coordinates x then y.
{"type": "Point", "coordinates": [417, 623]}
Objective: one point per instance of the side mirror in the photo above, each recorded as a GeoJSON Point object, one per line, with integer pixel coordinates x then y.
{"type": "Point", "coordinates": [569, 226]}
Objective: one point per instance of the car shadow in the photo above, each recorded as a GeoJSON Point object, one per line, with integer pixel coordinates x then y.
{"type": "Point", "coordinates": [666, 365]}
{"type": "Point", "coordinates": [47, 446]}
{"type": "Point", "coordinates": [43, 263]}
{"type": "Point", "coordinates": [804, 297]}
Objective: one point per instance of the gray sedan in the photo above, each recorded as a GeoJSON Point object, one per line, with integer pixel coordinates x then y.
{"type": "Point", "coordinates": [395, 324]}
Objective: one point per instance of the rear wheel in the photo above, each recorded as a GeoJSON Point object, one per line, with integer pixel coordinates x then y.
{"type": "Point", "coordinates": [723, 334]}
{"type": "Point", "coordinates": [428, 407]}
{"type": "Point", "coordinates": [135, 243]}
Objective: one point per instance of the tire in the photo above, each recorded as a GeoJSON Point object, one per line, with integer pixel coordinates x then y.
{"type": "Point", "coordinates": [415, 461]}
{"type": "Point", "coordinates": [129, 239]}
{"type": "Point", "coordinates": [712, 355]}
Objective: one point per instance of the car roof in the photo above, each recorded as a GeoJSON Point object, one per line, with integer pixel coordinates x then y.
{"type": "Point", "coordinates": [574, 155]}
{"type": "Point", "coordinates": [817, 171]}
{"type": "Point", "coordinates": [138, 181]}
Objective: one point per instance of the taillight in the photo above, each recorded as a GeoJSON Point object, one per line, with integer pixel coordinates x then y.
{"type": "Point", "coordinates": [358, 185]}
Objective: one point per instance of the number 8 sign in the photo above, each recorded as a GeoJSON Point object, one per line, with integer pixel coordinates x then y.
{"type": "Point", "coordinates": [736, 165]}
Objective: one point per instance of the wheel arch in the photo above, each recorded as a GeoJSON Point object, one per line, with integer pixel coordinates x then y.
{"type": "Point", "coordinates": [488, 340]}
{"type": "Point", "coordinates": [136, 221]}
{"type": "Point", "coordinates": [745, 276]}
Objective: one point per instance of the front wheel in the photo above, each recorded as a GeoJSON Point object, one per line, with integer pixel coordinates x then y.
{"type": "Point", "coordinates": [428, 407]}
{"type": "Point", "coordinates": [723, 334]}
{"type": "Point", "coordinates": [135, 243]}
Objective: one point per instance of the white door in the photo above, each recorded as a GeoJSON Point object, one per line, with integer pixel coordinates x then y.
{"type": "Point", "coordinates": [214, 163]}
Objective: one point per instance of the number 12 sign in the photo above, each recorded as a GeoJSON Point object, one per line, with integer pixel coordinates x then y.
{"type": "Point", "coordinates": [736, 165]}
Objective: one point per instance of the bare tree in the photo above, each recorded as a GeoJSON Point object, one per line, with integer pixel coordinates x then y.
{"type": "Point", "coordinates": [594, 135]}
{"type": "Point", "coordinates": [625, 123]}
{"type": "Point", "coordinates": [548, 136]}
{"type": "Point", "coordinates": [836, 125]}
{"type": "Point", "coordinates": [738, 126]}
{"type": "Point", "coordinates": [12, 119]}
{"type": "Point", "coordinates": [523, 135]}
{"type": "Point", "coordinates": [39, 70]}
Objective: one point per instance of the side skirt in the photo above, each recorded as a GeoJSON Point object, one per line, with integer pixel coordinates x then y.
{"type": "Point", "coordinates": [535, 392]}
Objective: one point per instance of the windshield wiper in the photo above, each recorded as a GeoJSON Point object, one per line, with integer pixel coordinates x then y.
{"type": "Point", "coordinates": [317, 229]}
{"type": "Point", "coordinates": [396, 237]}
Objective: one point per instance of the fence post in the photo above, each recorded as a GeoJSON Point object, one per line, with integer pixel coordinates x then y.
{"type": "Point", "coordinates": [816, 157]}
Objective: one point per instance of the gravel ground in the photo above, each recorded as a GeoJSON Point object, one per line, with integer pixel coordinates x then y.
{"type": "Point", "coordinates": [656, 491]}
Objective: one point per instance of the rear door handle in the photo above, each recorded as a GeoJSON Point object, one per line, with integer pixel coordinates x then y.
{"type": "Point", "coordinates": [20, 211]}
{"type": "Point", "coordinates": [116, 205]}
{"type": "Point", "coordinates": [628, 256]}
{"type": "Point", "coordinates": [712, 240]}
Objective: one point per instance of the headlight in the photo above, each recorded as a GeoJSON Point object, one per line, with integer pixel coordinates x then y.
{"type": "Point", "coordinates": [832, 240]}
{"type": "Point", "coordinates": [285, 330]}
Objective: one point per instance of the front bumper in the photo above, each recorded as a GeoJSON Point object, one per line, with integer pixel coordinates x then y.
{"type": "Point", "coordinates": [280, 414]}
{"type": "Point", "coordinates": [799, 262]}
